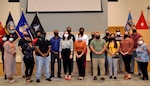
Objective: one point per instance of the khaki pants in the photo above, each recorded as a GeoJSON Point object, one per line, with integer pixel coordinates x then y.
{"type": "Point", "coordinates": [100, 62]}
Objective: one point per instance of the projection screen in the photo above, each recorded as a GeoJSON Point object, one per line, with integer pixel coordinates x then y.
{"type": "Point", "coordinates": [64, 5]}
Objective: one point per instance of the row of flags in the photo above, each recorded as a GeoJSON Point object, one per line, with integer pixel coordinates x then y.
{"type": "Point", "coordinates": [17, 31]}
{"type": "Point", "coordinates": [141, 24]}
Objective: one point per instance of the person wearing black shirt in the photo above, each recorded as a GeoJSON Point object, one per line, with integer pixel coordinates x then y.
{"type": "Point", "coordinates": [28, 50]}
{"type": "Point", "coordinates": [68, 29]}
{"type": "Point", "coordinates": [106, 38]}
{"type": "Point", "coordinates": [42, 47]}
{"type": "Point", "coordinates": [21, 42]}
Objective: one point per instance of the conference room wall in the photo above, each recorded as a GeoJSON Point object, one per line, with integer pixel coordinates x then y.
{"type": "Point", "coordinates": [5, 7]}
{"type": "Point", "coordinates": [90, 21]}
{"type": "Point", "coordinates": [118, 11]}
{"type": "Point", "coordinates": [115, 14]}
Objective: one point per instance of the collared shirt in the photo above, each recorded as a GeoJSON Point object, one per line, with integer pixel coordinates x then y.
{"type": "Point", "coordinates": [98, 45]}
{"type": "Point", "coordinates": [55, 43]}
{"type": "Point", "coordinates": [43, 46]}
{"type": "Point", "coordinates": [66, 44]}
{"type": "Point", "coordinates": [135, 38]}
{"type": "Point", "coordinates": [142, 53]}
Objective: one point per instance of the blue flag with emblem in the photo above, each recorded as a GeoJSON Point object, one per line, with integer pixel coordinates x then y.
{"type": "Point", "coordinates": [10, 27]}
{"type": "Point", "coordinates": [129, 23]}
{"type": "Point", "coordinates": [22, 25]}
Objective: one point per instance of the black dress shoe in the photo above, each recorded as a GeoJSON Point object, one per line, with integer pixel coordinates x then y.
{"type": "Point", "coordinates": [102, 78]}
{"type": "Point", "coordinates": [48, 79]}
{"type": "Point", "coordinates": [52, 76]}
{"type": "Point", "coordinates": [38, 80]}
{"type": "Point", "coordinates": [95, 78]}
{"type": "Point", "coordinates": [59, 76]}
{"type": "Point", "coordinates": [139, 74]}
{"type": "Point", "coordinates": [110, 77]}
{"type": "Point", "coordinates": [91, 73]}
{"type": "Point", "coordinates": [24, 76]}
{"type": "Point", "coordinates": [5, 77]}
{"type": "Point", "coordinates": [131, 72]}
{"type": "Point", "coordinates": [115, 77]}
{"type": "Point", "coordinates": [144, 78]}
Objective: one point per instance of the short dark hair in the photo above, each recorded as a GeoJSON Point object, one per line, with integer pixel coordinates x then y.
{"type": "Point", "coordinates": [81, 28]}
{"type": "Point", "coordinates": [117, 30]}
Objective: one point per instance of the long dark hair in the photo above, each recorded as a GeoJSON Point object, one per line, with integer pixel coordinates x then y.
{"type": "Point", "coordinates": [115, 42]}
{"type": "Point", "coordinates": [63, 37]}
{"type": "Point", "coordinates": [80, 30]}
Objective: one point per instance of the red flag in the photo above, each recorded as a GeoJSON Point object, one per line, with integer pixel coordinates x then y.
{"type": "Point", "coordinates": [2, 31]}
{"type": "Point", "coordinates": [141, 24]}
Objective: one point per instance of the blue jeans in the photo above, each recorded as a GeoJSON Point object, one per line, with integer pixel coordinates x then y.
{"type": "Point", "coordinates": [40, 61]}
{"type": "Point", "coordinates": [132, 62]}
{"type": "Point", "coordinates": [113, 63]}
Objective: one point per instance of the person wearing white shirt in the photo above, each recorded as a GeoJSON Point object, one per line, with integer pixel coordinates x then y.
{"type": "Point", "coordinates": [84, 38]}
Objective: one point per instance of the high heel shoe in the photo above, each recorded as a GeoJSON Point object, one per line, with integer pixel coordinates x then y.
{"type": "Point", "coordinates": [129, 76]}
{"type": "Point", "coordinates": [11, 81]}
{"type": "Point", "coordinates": [69, 77]}
{"type": "Point", "coordinates": [28, 80]}
{"type": "Point", "coordinates": [66, 77]}
{"type": "Point", "coordinates": [125, 77]}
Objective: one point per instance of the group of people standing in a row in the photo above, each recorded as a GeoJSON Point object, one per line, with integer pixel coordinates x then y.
{"type": "Point", "coordinates": [128, 48]}
{"type": "Point", "coordinates": [103, 51]}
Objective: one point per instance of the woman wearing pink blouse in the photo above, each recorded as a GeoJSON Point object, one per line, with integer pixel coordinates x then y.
{"type": "Point", "coordinates": [10, 58]}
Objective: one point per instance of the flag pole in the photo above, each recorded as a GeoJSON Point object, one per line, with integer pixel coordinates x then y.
{"type": "Point", "coordinates": [36, 11]}
{"type": "Point", "coordinates": [22, 9]}
{"type": "Point", "coordinates": [28, 27]}
{"type": "Point", "coordinates": [9, 10]}
{"type": "Point", "coordinates": [129, 9]}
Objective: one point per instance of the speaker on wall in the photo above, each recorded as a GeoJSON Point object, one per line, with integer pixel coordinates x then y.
{"type": "Point", "coordinates": [13, 0]}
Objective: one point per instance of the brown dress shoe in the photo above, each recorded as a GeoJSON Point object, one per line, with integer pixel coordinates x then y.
{"type": "Point", "coordinates": [23, 76]}
{"type": "Point", "coordinates": [102, 78]}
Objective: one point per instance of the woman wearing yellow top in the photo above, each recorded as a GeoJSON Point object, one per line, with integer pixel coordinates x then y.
{"type": "Point", "coordinates": [112, 49]}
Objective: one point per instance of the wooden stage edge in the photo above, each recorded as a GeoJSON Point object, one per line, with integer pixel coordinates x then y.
{"type": "Point", "coordinates": [75, 70]}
